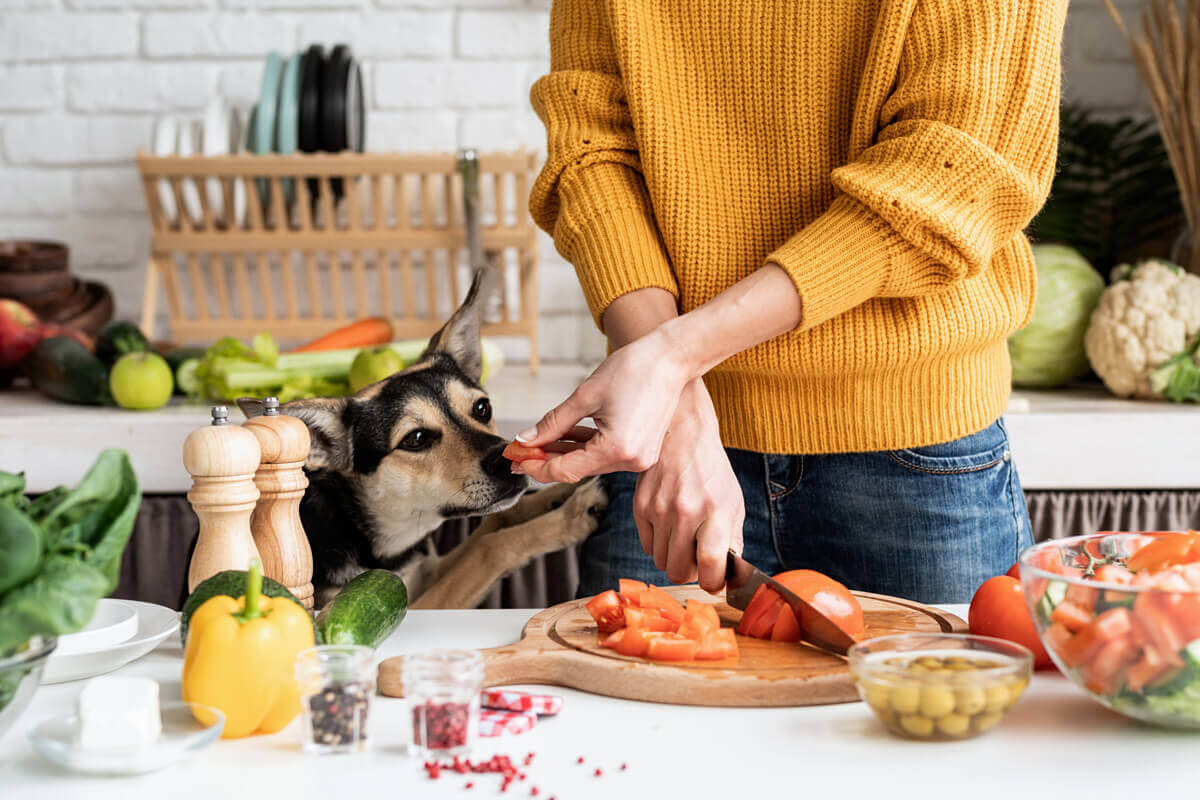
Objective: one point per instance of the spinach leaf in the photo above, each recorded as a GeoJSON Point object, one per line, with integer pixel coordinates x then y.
{"type": "Point", "coordinates": [60, 599]}
{"type": "Point", "coordinates": [12, 489]}
{"type": "Point", "coordinates": [21, 546]}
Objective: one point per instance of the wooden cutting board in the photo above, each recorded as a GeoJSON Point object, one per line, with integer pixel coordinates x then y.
{"type": "Point", "coordinates": [560, 647]}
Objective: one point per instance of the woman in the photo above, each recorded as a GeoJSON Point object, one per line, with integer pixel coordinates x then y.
{"type": "Point", "coordinates": [799, 224]}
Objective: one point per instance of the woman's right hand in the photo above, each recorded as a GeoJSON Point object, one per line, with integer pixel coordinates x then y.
{"type": "Point", "coordinates": [631, 398]}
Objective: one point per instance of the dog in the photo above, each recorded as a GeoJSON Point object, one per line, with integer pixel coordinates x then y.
{"type": "Point", "coordinates": [394, 461]}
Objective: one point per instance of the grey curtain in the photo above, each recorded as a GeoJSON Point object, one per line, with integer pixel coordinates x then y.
{"type": "Point", "coordinates": [156, 561]}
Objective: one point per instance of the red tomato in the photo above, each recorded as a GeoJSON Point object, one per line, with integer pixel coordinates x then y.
{"type": "Point", "coordinates": [1184, 609]}
{"type": "Point", "coordinates": [1113, 624]}
{"type": "Point", "coordinates": [758, 604]}
{"type": "Point", "coordinates": [635, 642]}
{"type": "Point", "coordinates": [1106, 671]}
{"type": "Point", "coordinates": [1156, 626]}
{"type": "Point", "coordinates": [998, 609]}
{"type": "Point", "coordinates": [657, 597]}
{"type": "Point", "coordinates": [829, 597]}
{"type": "Point", "coordinates": [631, 589]}
{"type": "Point", "coordinates": [1150, 670]}
{"type": "Point", "coordinates": [718, 645]}
{"type": "Point", "coordinates": [1014, 571]}
{"type": "Point", "coordinates": [1084, 597]}
{"type": "Point", "coordinates": [517, 452]}
{"type": "Point", "coordinates": [671, 647]}
{"type": "Point", "coordinates": [786, 629]}
{"type": "Point", "coordinates": [607, 610]}
{"type": "Point", "coordinates": [1071, 616]}
{"type": "Point", "coordinates": [766, 623]}
{"type": "Point", "coordinates": [613, 640]}
{"type": "Point", "coordinates": [1166, 551]}
{"type": "Point", "coordinates": [698, 624]}
{"type": "Point", "coordinates": [1055, 637]}
{"type": "Point", "coordinates": [648, 619]}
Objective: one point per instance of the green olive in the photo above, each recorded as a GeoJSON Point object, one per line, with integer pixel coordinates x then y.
{"type": "Point", "coordinates": [954, 724]}
{"type": "Point", "coordinates": [958, 662]}
{"type": "Point", "coordinates": [970, 700]}
{"type": "Point", "coordinates": [905, 699]}
{"type": "Point", "coordinates": [876, 696]}
{"type": "Point", "coordinates": [936, 701]}
{"type": "Point", "coordinates": [916, 725]}
{"type": "Point", "coordinates": [997, 698]}
{"type": "Point", "coordinates": [987, 721]}
{"type": "Point", "coordinates": [930, 662]}
{"type": "Point", "coordinates": [1015, 689]}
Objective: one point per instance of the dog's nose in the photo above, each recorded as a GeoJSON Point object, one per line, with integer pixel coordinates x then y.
{"type": "Point", "coordinates": [495, 465]}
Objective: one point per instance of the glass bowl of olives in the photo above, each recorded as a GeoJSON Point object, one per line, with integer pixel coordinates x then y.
{"type": "Point", "coordinates": [940, 687]}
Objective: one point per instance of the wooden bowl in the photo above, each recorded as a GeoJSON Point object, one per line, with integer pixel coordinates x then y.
{"type": "Point", "coordinates": [18, 255]}
{"type": "Point", "coordinates": [72, 304]}
{"type": "Point", "coordinates": [36, 288]}
{"type": "Point", "coordinates": [98, 313]}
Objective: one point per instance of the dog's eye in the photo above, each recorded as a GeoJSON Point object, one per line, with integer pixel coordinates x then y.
{"type": "Point", "coordinates": [419, 439]}
{"type": "Point", "coordinates": [482, 410]}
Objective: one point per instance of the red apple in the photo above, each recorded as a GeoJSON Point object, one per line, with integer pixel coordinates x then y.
{"type": "Point", "coordinates": [19, 332]}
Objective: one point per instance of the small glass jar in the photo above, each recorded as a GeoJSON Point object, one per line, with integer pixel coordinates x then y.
{"type": "Point", "coordinates": [336, 683]}
{"type": "Point", "coordinates": [443, 693]}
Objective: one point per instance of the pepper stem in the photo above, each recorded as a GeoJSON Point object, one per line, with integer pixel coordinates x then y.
{"type": "Point", "coordinates": [250, 609]}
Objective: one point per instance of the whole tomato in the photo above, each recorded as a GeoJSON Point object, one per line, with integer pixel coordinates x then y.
{"type": "Point", "coordinates": [998, 609]}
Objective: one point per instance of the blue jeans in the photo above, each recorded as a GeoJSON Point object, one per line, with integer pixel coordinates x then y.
{"type": "Point", "coordinates": [929, 523]}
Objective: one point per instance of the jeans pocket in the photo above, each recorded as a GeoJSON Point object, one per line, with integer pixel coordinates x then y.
{"type": "Point", "coordinates": [974, 453]}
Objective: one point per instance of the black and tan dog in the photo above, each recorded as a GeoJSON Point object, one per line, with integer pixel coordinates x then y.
{"type": "Point", "coordinates": [393, 462]}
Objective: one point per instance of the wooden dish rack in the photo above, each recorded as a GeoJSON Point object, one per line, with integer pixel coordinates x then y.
{"type": "Point", "coordinates": [340, 236]}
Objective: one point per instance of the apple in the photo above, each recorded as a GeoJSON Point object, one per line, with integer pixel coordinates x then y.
{"type": "Point", "coordinates": [50, 330]}
{"type": "Point", "coordinates": [141, 381]}
{"type": "Point", "coordinates": [373, 364]}
{"type": "Point", "coordinates": [19, 332]}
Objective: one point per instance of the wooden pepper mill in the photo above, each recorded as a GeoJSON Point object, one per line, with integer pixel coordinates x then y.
{"type": "Point", "coordinates": [278, 533]}
{"type": "Point", "coordinates": [221, 459]}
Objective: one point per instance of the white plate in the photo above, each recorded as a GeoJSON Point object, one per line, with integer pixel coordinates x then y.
{"type": "Point", "coordinates": [57, 741]}
{"type": "Point", "coordinates": [114, 622]}
{"type": "Point", "coordinates": [216, 143]}
{"type": "Point", "coordinates": [155, 623]}
{"type": "Point", "coordinates": [166, 139]}
{"type": "Point", "coordinates": [189, 145]}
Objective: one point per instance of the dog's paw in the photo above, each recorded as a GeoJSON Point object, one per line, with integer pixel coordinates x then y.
{"type": "Point", "coordinates": [583, 508]}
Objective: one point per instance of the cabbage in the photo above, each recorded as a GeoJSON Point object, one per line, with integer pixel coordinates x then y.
{"type": "Point", "coordinates": [1048, 351]}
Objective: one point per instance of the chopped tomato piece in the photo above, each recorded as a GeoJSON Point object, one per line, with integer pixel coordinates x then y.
{"type": "Point", "coordinates": [718, 645]}
{"type": "Point", "coordinates": [1056, 636]}
{"type": "Point", "coordinates": [766, 623]}
{"type": "Point", "coordinates": [607, 610]}
{"type": "Point", "coordinates": [1166, 551]}
{"type": "Point", "coordinates": [1112, 624]}
{"type": "Point", "coordinates": [1156, 625]}
{"type": "Point", "coordinates": [1080, 648]}
{"type": "Point", "coordinates": [699, 620]}
{"type": "Point", "coordinates": [704, 610]}
{"type": "Point", "coordinates": [671, 647]}
{"type": "Point", "coordinates": [786, 628]}
{"type": "Point", "coordinates": [631, 588]}
{"type": "Point", "coordinates": [1114, 573]}
{"type": "Point", "coordinates": [1107, 669]}
{"type": "Point", "coordinates": [1184, 610]}
{"type": "Point", "coordinates": [656, 597]}
{"type": "Point", "coordinates": [1083, 596]}
{"type": "Point", "coordinates": [1151, 668]}
{"type": "Point", "coordinates": [759, 602]}
{"type": "Point", "coordinates": [613, 640]}
{"type": "Point", "coordinates": [1071, 616]}
{"type": "Point", "coordinates": [635, 642]}
{"type": "Point", "coordinates": [648, 619]}
{"type": "Point", "coordinates": [516, 452]}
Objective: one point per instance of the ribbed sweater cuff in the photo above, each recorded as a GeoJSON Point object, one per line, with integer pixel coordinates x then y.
{"type": "Point", "coordinates": [607, 230]}
{"type": "Point", "coordinates": [839, 261]}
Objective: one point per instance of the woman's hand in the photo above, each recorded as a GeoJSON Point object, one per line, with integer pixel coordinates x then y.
{"type": "Point", "coordinates": [631, 397]}
{"type": "Point", "coordinates": [688, 507]}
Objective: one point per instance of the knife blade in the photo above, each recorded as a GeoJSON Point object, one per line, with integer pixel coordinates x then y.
{"type": "Point", "coordinates": [742, 580]}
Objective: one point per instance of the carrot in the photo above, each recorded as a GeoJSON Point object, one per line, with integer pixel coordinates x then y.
{"type": "Point", "coordinates": [363, 333]}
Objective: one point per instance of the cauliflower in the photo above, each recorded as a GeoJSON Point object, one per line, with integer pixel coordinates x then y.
{"type": "Point", "coordinates": [1144, 331]}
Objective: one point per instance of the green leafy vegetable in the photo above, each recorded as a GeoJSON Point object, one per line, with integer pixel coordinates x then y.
{"type": "Point", "coordinates": [1178, 380]}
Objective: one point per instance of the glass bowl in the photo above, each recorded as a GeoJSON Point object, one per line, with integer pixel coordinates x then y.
{"type": "Point", "coordinates": [1134, 648]}
{"type": "Point", "coordinates": [57, 740]}
{"type": "Point", "coordinates": [20, 674]}
{"type": "Point", "coordinates": [940, 687]}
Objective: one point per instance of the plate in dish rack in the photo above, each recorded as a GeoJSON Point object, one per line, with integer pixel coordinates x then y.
{"type": "Point", "coordinates": [154, 624]}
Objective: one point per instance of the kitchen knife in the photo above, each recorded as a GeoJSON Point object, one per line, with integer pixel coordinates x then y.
{"type": "Point", "coordinates": [742, 580]}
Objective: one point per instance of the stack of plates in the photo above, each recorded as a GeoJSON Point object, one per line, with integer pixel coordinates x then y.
{"type": "Point", "coordinates": [120, 631]}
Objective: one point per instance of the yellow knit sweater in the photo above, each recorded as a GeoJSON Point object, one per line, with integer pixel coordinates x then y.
{"type": "Point", "coordinates": [886, 153]}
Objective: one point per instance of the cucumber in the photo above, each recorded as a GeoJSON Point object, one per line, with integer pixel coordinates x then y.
{"type": "Point", "coordinates": [1192, 652]}
{"type": "Point", "coordinates": [231, 583]}
{"type": "Point", "coordinates": [187, 382]}
{"type": "Point", "coordinates": [62, 368]}
{"type": "Point", "coordinates": [118, 338]}
{"type": "Point", "coordinates": [366, 611]}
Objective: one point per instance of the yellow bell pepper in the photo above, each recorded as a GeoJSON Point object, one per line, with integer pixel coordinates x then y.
{"type": "Point", "coordinates": [240, 659]}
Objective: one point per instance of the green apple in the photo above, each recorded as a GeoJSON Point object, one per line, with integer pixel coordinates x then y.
{"type": "Point", "coordinates": [373, 364]}
{"type": "Point", "coordinates": [141, 381]}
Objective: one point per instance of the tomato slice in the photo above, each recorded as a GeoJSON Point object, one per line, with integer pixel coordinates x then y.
{"type": "Point", "coordinates": [766, 623]}
{"type": "Point", "coordinates": [1080, 648]}
{"type": "Point", "coordinates": [719, 644]}
{"type": "Point", "coordinates": [1156, 626]}
{"type": "Point", "coordinates": [699, 620]}
{"type": "Point", "coordinates": [648, 619]}
{"type": "Point", "coordinates": [1071, 616]}
{"type": "Point", "coordinates": [516, 452]}
{"type": "Point", "coordinates": [786, 628]}
{"type": "Point", "coordinates": [1151, 669]}
{"type": "Point", "coordinates": [1166, 551]}
{"type": "Point", "coordinates": [707, 610]}
{"type": "Point", "coordinates": [607, 610]}
{"type": "Point", "coordinates": [613, 640]}
{"type": "Point", "coordinates": [1084, 597]}
{"type": "Point", "coordinates": [634, 643]}
{"type": "Point", "coordinates": [1184, 610]}
{"type": "Point", "coordinates": [671, 647]}
{"type": "Point", "coordinates": [1107, 668]}
{"type": "Point", "coordinates": [1056, 636]}
{"type": "Point", "coordinates": [631, 588]}
{"type": "Point", "coordinates": [656, 597]}
{"type": "Point", "coordinates": [1113, 624]}
{"type": "Point", "coordinates": [760, 601]}
{"type": "Point", "coordinates": [829, 597]}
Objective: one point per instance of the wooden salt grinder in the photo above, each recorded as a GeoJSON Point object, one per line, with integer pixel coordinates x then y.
{"type": "Point", "coordinates": [278, 533]}
{"type": "Point", "coordinates": [221, 459]}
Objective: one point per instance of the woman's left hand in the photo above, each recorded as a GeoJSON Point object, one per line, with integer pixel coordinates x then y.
{"type": "Point", "coordinates": [631, 397]}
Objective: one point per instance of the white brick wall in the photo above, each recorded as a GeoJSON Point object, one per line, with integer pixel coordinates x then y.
{"type": "Point", "coordinates": [81, 80]}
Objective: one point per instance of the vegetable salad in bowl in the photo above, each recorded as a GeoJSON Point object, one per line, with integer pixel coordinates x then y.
{"type": "Point", "coordinates": [1120, 615]}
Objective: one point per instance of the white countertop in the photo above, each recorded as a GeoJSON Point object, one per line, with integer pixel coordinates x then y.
{"type": "Point", "coordinates": [1072, 439]}
{"type": "Point", "coordinates": [1055, 743]}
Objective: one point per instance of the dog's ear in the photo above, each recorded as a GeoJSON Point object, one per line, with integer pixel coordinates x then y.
{"type": "Point", "coordinates": [459, 337]}
{"type": "Point", "coordinates": [250, 406]}
{"type": "Point", "coordinates": [325, 418]}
